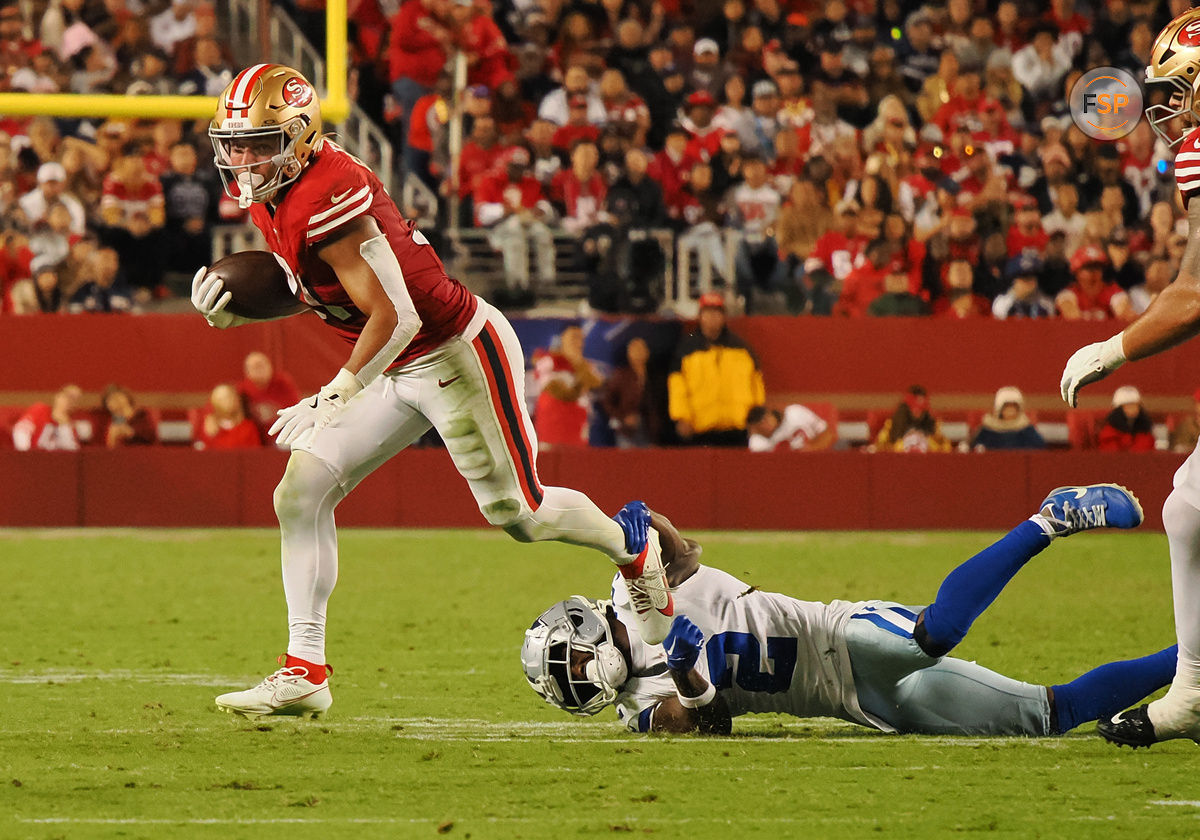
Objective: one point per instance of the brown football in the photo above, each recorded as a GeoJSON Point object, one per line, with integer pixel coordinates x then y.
{"type": "Point", "coordinates": [259, 285]}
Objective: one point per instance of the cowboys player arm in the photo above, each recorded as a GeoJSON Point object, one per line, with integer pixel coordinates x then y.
{"type": "Point", "coordinates": [709, 714]}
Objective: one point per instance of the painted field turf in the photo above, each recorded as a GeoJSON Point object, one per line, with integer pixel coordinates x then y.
{"type": "Point", "coordinates": [113, 644]}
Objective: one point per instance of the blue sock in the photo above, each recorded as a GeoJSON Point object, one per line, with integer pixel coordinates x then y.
{"type": "Point", "coordinates": [970, 589]}
{"type": "Point", "coordinates": [1104, 691]}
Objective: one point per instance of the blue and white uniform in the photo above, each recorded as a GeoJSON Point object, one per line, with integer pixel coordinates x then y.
{"type": "Point", "coordinates": [858, 662]}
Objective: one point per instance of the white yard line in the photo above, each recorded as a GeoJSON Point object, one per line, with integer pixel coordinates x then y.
{"type": "Point", "coordinates": [11, 677]}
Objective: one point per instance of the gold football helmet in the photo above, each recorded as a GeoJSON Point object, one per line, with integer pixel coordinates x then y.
{"type": "Point", "coordinates": [269, 114]}
{"type": "Point", "coordinates": [1175, 64]}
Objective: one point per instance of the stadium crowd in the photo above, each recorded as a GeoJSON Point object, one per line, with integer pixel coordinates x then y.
{"type": "Point", "coordinates": [852, 157]}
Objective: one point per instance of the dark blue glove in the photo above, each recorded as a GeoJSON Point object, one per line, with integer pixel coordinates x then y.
{"type": "Point", "coordinates": [683, 644]}
{"type": "Point", "coordinates": [634, 520]}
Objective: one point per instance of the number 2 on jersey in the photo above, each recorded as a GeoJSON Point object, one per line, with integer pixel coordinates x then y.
{"type": "Point", "coordinates": [781, 651]}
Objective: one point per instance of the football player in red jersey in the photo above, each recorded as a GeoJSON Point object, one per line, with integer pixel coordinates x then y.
{"type": "Point", "coordinates": [1172, 318]}
{"type": "Point", "coordinates": [424, 352]}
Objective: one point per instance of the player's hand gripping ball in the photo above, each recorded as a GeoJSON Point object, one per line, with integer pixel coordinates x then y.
{"type": "Point", "coordinates": [242, 287]}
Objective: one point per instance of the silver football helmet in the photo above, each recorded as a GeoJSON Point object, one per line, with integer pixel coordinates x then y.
{"type": "Point", "coordinates": [577, 625]}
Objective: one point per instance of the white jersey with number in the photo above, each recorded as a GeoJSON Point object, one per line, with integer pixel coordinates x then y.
{"type": "Point", "coordinates": [765, 652]}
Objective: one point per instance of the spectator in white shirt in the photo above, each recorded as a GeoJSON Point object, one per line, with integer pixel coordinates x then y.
{"type": "Point", "coordinates": [796, 427]}
{"type": "Point", "coordinates": [172, 25]}
{"type": "Point", "coordinates": [1041, 66]}
{"type": "Point", "coordinates": [1066, 216]}
{"type": "Point", "coordinates": [51, 188]}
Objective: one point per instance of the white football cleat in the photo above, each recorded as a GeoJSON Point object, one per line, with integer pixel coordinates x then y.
{"type": "Point", "coordinates": [286, 692]}
{"type": "Point", "coordinates": [649, 593]}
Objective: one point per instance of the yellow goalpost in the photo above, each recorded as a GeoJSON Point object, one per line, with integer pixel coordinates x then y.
{"type": "Point", "coordinates": [334, 105]}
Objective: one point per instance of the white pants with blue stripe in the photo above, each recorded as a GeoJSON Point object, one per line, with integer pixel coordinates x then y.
{"type": "Point", "coordinates": [904, 687]}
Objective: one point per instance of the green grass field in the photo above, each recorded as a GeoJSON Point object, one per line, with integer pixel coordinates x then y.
{"type": "Point", "coordinates": [113, 644]}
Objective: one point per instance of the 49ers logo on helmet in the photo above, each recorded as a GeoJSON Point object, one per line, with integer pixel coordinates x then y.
{"type": "Point", "coordinates": [1189, 36]}
{"type": "Point", "coordinates": [296, 92]}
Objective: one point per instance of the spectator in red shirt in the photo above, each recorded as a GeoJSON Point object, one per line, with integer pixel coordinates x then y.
{"type": "Point", "coordinates": [225, 424]}
{"type": "Point", "coordinates": [580, 190]}
{"type": "Point", "coordinates": [1128, 428]}
{"type": "Point", "coordinates": [964, 107]}
{"type": "Point", "coordinates": [264, 390]}
{"type": "Point", "coordinates": [567, 381]}
{"type": "Point", "coordinates": [577, 127]}
{"type": "Point", "coordinates": [1026, 230]}
{"type": "Point", "coordinates": [1091, 297]}
{"type": "Point", "coordinates": [1063, 15]}
{"type": "Point", "coordinates": [840, 250]}
{"type": "Point", "coordinates": [984, 188]}
{"type": "Point", "coordinates": [48, 426]}
{"type": "Point", "coordinates": [416, 50]}
{"type": "Point", "coordinates": [127, 424]}
{"type": "Point", "coordinates": [480, 154]}
{"type": "Point", "coordinates": [510, 202]}
{"type": "Point", "coordinates": [959, 300]}
{"type": "Point", "coordinates": [864, 283]}
{"type": "Point", "coordinates": [625, 109]}
{"type": "Point", "coordinates": [705, 138]}
{"type": "Point", "coordinates": [429, 116]}
{"type": "Point", "coordinates": [489, 61]}
{"type": "Point", "coordinates": [670, 166]}
{"type": "Point", "coordinates": [130, 189]}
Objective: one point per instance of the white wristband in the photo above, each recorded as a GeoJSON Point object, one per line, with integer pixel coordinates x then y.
{"type": "Point", "coordinates": [1112, 354]}
{"type": "Point", "coordinates": [696, 702]}
{"type": "Point", "coordinates": [345, 384]}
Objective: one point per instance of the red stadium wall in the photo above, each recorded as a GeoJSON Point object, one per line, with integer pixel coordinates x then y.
{"type": "Point", "coordinates": [701, 489]}
{"type": "Point", "coordinates": [180, 353]}
{"type": "Point", "coordinates": [719, 489]}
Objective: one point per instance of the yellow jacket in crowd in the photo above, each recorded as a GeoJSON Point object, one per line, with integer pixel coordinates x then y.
{"type": "Point", "coordinates": [714, 384]}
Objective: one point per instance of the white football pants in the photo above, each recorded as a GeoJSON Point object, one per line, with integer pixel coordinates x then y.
{"type": "Point", "coordinates": [471, 389]}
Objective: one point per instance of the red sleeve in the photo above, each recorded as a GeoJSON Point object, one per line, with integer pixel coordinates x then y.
{"type": "Point", "coordinates": [1110, 440]}
{"type": "Point", "coordinates": [1187, 165]}
{"type": "Point", "coordinates": [320, 206]}
{"type": "Point", "coordinates": [1143, 442]}
{"type": "Point", "coordinates": [821, 251]}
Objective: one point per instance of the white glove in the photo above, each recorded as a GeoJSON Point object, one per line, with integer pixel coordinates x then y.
{"type": "Point", "coordinates": [316, 412]}
{"type": "Point", "coordinates": [1090, 364]}
{"type": "Point", "coordinates": [208, 299]}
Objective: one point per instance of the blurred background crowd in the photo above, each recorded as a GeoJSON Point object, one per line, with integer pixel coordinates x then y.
{"type": "Point", "coordinates": [852, 158]}
{"type": "Point", "coordinates": [849, 158]}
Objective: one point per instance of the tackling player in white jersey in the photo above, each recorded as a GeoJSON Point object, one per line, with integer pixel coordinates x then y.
{"type": "Point", "coordinates": [734, 649]}
{"type": "Point", "coordinates": [1172, 318]}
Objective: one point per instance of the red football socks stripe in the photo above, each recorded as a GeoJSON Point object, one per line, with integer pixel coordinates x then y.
{"type": "Point", "coordinates": [316, 673]}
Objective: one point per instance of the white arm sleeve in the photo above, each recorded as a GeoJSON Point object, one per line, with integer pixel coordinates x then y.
{"type": "Point", "coordinates": [379, 255]}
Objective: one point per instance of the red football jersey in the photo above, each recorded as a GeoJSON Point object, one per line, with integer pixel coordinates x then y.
{"type": "Point", "coordinates": [1187, 165]}
{"type": "Point", "coordinates": [336, 188]}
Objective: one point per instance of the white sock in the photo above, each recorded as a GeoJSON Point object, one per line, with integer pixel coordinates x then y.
{"type": "Point", "coordinates": [304, 503]}
{"type": "Point", "coordinates": [569, 516]}
{"type": "Point", "coordinates": [1179, 711]}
